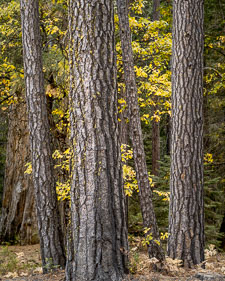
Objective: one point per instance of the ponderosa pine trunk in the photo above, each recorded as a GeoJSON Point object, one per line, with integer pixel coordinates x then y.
{"type": "Point", "coordinates": [18, 216]}
{"type": "Point", "coordinates": [186, 215]}
{"type": "Point", "coordinates": [155, 123]}
{"type": "Point", "coordinates": [51, 240]}
{"type": "Point", "coordinates": [145, 192]}
{"type": "Point", "coordinates": [98, 246]}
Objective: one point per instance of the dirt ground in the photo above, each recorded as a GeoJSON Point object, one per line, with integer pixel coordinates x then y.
{"type": "Point", "coordinates": [23, 263]}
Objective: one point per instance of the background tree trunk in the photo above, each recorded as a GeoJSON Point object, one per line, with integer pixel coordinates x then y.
{"type": "Point", "coordinates": [155, 146]}
{"type": "Point", "coordinates": [123, 124]}
{"type": "Point", "coordinates": [155, 124]}
{"type": "Point", "coordinates": [186, 218]}
{"type": "Point", "coordinates": [156, 10]}
{"type": "Point", "coordinates": [3, 144]}
{"type": "Point", "coordinates": [168, 135]}
{"type": "Point", "coordinates": [98, 226]}
{"type": "Point", "coordinates": [222, 231]}
{"type": "Point", "coordinates": [18, 221]}
{"type": "Point", "coordinates": [145, 191]}
{"type": "Point", "coordinates": [18, 216]}
{"type": "Point", "coordinates": [124, 137]}
{"type": "Point", "coordinates": [51, 240]}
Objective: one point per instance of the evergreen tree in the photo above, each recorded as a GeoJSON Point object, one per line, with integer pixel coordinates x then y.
{"type": "Point", "coordinates": [51, 240]}
{"type": "Point", "coordinates": [18, 216]}
{"type": "Point", "coordinates": [98, 242]}
{"type": "Point", "coordinates": [186, 214]}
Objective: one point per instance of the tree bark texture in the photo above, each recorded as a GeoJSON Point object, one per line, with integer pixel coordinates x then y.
{"type": "Point", "coordinates": [145, 191]}
{"type": "Point", "coordinates": [18, 216]}
{"type": "Point", "coordinates": [3, 144]}
{"type": "Point", "coordinates": [51, 240]}
{"type": "Point", "coordinates": [186, 217]}
{"type": "Point", "coordinates": [98, 249]}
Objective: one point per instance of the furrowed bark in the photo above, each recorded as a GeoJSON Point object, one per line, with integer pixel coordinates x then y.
{"type": "Point", "coordinates": [98, 242]}
{"type": "Point", "coordinates": [186, 217]}
{"type": "Point", "coordinates": [18, 216]}
{"type": "Point", "coordinates": [51, 240]}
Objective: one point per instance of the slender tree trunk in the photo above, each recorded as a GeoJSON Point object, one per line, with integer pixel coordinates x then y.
{"type": "Point", "coordinates": [98, 250]}
{"type": "Point", "coordinates": [222, 231]}
{"type": "Point", "coordinates": [145, 193]}
{"type": "Point", "coordinates": [168, 135]}
{"type": "Point", "coordinates": [206, 121]}
{"type": "Point", "coordinates": [155, 10]}
{"type": "Point", "coordinates": [155, 145]}
{"type": "Point", "coordinates": [124, 138]}
{"type": "Point", "coordinates": [186, 218]}
{"type": "Point", "coordinates": [155, 124]}
{"type": "Point", "coordinates": [18, 217]}
{"type": "Point", "coordinates": [123, 124]}
{"type": "Point", "coordinates": [50, 233]}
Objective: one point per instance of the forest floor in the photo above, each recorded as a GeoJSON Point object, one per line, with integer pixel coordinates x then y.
{"type": "Point", "coordinates": [23, 263]}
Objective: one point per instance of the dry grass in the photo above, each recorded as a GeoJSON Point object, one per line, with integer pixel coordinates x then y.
{"type": "Point", "coordinates": [19, 260]}
{"type": "Point", "coordinates": [144, 268]}
{"type": "Point", "coordinates": [24, 263]}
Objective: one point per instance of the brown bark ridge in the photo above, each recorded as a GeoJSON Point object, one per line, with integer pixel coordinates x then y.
{"type": "Point", "coordinates": [51, 240]}
{"type": "Point", "coordinates": [18, 216]}
{"type": "Point", "coordinates": [145, 191]}
{"type": "Point", "coordinates": [98, 245]}
{"type": "Point", "coordinates": [186, 215]}
{"type": "Point", "coordinates": [155, 124]}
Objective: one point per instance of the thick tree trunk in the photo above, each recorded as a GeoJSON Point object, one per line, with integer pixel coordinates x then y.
{"type": "Point", "coordinates": [50, 233]}
{"type": "Point", "coordinates": [186, 218]}
{"type": "Point", "coordinates": [3, 144]}
{"type": "Point", "coordinates": [145, 193]}
{"type": "Point", "coordinates": [18, 216]}
{"type": "Point", "coordinates": [98, 250]}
